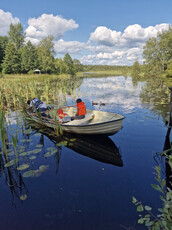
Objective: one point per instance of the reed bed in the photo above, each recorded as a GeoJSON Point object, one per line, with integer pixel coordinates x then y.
{"type": "Point", "coordinates": [49, 88]}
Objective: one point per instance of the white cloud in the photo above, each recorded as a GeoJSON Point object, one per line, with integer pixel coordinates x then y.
{"type": "Point", "coordinates": [63, 47]}
{"type": "Point", "coordinates": [48, 25]}
{"type": "Point", "coordinates": [6, 19]}
{"type": "Point", "coordinates": [104, 36]}
{"type": "Point", "coordinates": [120, 48]}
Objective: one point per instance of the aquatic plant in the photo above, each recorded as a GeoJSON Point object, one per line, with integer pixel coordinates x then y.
{"type": "Point", "coordinates": [163, 220]}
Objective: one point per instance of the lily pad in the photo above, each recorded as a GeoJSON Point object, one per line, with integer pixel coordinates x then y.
{"type": "Point", "coordinates": [37, 151]}
{"type": "Point", "coordinates": [23, 167]}
{"type": "Point", "coordinates": [26, 140]}
{"type": "Point", "coordinates": [43, 168]}
{"type": "Point", "coordinates": [32, 157]}
{"type": "Point", "coordinates": [10, 163]}
{"type": "Point", "coordinates": [39, 146]}
{"type": "Point", "coordinates": [29, 173]}
{"type": "Point", "coordinates": [49, 154]}
{"type": "Point", "coordinates": [23, 154]}
{"type": "Point", "coordinates": [62, 143]}
{"type": "Point", "coordinates": [26, 153]}
{"type": "Point", "coordinates": [51, 148]}
{"type": "Point", "coordinates": [73, 139]}
{"type": "Point", "coordinates": [23, 197]}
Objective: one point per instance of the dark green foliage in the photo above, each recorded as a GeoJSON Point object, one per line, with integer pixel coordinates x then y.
{"type": "Point", "coordinates": [3, 42]}
{"type": "Point", "coordinates": [70, 65]}
{"type": "Point", "coordinates": [78, 65]}
{"type": "Point", "coordinates": [16, 35]}
{"type": "Point", "coordinates": [158, 52]}
{"type": "Point", "coordinates": [45, 52]}
{"type": "Point", "coordinates": [136, 69]}
{"type": "Point", "coordinates": [12, 60]}
{"type": "Point", "coordinates": [29, 58]}
{"type": "Point", "coordinates": [60, 66]}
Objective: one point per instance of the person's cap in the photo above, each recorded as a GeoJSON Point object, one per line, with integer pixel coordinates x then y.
{"type": "Point", "coordinates": [78, 100]}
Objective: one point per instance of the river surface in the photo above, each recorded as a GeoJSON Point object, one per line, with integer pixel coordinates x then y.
{"type": "Point", "coordinates": [84, 183]}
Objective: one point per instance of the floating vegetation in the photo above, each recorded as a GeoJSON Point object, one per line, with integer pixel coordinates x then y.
{"type": "Point", "coordinates": [23, 197]}
{"type": "Point", "coordinates": [49, 154]}
{"type": "Point", "coordinates": [29, 173]}
{"type": "Point", "coordinates": [39, 146]}
{"type": "Point", "coordinates": [62, 143]}
{"type": "Point", "coordinates": [37, 172]}
{"type": "Point", "coordinates": [26, 153]}
{"type": "Point", "coordinates": [26, 140]}
{"type": "Point", "coordinates": [73, 139]}
{"type": "Point", "coordinates": [27, 131]}
{"type": "Point", "coordinates": [51, 148]}
{"type": "Point", "coordinates": [23, 167]}
{"type": "Point", "coordinates": [35, 151]}
{"type": "Point", "coordinates": [32, 157]}
{"type": "Point", "coordinates": [43, 168]}
{"type": "Point", "coordinates": [10, 163]}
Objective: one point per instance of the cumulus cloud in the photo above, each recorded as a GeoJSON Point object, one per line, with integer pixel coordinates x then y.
{"type": "Point", "coordinates": [133, 33]}
{"type": "Point", "coordinates": [104, 36]}
{"type": "Point", "coordinates": [111, 46]}
{"type": "Point", "coordinates": [48, 25]}
{"type": "Point", "coordinates": [63, 47]}
{"type": "Point", "coordinates": [6, 18]}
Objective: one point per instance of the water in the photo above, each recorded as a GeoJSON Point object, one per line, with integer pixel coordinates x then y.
{"type": "Point", "coordinates": [89, 183]}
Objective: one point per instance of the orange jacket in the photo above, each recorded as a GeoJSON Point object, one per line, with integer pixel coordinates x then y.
{"type": "Point", "coordinates": [81, 108]}
{"type": "Point", "coordinates": [61, 114]}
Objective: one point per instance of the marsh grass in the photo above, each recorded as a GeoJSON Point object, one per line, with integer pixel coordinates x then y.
{"type": "Point", "coordinates": [49, 88]}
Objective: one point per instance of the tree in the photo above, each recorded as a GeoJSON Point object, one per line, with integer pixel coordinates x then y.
{"type": "Point", "coordinates": [60, 66]}
{"type": "Point", "coordinates": [12, 60]}
{"type": "Point", "coordinates": [70, 65]}
{"type": "Point", "coordinates": [78, 65]}
{"type": "Point", "coordinates": [45, 55]}
{"type": "Point", "coordinates": [29, 58]}
{"type": "Point", "coordinates": [158, 52]}
{"type": "Point", "coordinates": [136, 69]}
{"type": "Point", "coordinates": [16, 35]}
{"type": "Point", "coordinates": [3, 42]}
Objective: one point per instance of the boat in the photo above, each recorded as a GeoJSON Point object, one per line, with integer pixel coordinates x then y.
{"type": "Point", "coordinates": [95, 122]}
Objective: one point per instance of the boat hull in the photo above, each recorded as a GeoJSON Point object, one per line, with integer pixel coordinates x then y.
{"type": "Point", "coordinates": [108, 128]}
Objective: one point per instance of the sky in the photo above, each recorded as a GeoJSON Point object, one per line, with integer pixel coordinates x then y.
{"type": "Point", "coordinates": [105, 32]}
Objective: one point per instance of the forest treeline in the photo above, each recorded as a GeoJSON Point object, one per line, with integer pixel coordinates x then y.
{"type": "Point", "coordinates": [18, 56]}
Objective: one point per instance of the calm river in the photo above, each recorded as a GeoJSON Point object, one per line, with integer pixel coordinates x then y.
{"type": "Point", "coordinates": [77, 185]}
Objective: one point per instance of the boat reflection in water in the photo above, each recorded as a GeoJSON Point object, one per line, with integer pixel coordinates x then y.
{"type": "Point", "coordinates": [98, 147]}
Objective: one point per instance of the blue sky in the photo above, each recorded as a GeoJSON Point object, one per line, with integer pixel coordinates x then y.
{"type": "Point", "coordinates": [95, 32]}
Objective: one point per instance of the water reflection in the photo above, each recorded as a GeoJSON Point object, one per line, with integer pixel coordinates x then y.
{"type": "Point", "coordinates": [100, 148]}
{"type": "Point", "coordinates": [30, 160]}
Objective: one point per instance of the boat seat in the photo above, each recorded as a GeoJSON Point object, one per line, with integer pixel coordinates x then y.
{"type": "Point", "coordinates": [83, 121]}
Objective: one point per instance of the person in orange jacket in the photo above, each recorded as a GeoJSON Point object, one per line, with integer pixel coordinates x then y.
{"type": "Point", "coordinates": [81, 110]}
{"type": "Point", "coordinates": [64, 117]}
